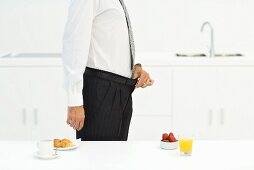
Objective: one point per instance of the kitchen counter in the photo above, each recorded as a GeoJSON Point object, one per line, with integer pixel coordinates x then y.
{"type": "Point", "coordinates": [208, 155]}
{"type": "Point", "coordinates": [147, 59]}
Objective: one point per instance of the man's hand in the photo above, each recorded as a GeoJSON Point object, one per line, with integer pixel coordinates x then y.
{"type": "Point", "coordinates": [76, 117]}
{"type": "Point", "coordinates": [143, 77]}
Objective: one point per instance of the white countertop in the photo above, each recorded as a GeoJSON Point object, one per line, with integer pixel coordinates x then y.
{"type": "Point", "coordinates": [147, 59]}
{"type": "Point", "coordinates": [207, 155]}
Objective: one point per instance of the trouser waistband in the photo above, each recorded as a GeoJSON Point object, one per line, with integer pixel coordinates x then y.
{"type": "Point", "coordinates": [110, 76]}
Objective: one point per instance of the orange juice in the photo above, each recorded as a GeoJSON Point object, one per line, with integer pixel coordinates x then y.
{"type": "Point", "coordinates": [185, 145]}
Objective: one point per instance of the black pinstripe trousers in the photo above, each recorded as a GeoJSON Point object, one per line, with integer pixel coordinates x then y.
{"type": "Point", "coordinates": [107, 99]}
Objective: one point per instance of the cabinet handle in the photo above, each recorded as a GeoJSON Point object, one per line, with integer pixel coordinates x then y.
{"type": "Point", "coordinates": [24, 116]}
{"type": "Point", "coordinates": [210, 117]}
{"type": "Point", "coordinates": [222, 116]}
{"type": "Point", "coordinates": [36, 116]}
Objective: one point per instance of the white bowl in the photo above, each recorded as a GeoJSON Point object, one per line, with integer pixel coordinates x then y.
{"type": "Point", "coordinates": [169, 145]}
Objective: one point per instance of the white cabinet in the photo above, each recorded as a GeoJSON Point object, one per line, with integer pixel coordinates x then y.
{"type": "Point", "coordinates": [235, 103]}
{"type": "Point", "coordinates": [214, 102]}
{"type": "Point", "coordinates": [211, 102]}
{"type": "Point", "coordinates": [194, 95]}
{"type": "Point", "coordinates": [13, 103]}
{"type": "Point", "coordinates": [33, 103]}
{"type": "Point", "coordinates": [49, 105]}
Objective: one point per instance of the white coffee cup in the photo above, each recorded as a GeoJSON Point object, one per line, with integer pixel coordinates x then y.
{"type": "Point", "coordinates": [45, 147]}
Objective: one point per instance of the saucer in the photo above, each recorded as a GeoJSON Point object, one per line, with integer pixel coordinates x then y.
{"type": "Point", "coordinates": [54, 156]}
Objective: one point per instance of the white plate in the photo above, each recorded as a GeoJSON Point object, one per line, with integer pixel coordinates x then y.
{"type": "Point", "coordinates": [76, 145]}
{"type": "Point", "coordinates": [54, 156]}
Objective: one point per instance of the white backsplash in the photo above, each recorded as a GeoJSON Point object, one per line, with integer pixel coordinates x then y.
{"type": "Point", "coordinates": [159, 25]}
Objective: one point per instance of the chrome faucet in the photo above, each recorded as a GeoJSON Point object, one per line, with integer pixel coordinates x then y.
{"type": "Point", "coordinates": [211, 50]}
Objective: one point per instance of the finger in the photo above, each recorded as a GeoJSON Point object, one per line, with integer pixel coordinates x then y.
{"type": "Point", "coordinates": [144, 86]}
{"type": "Point", "coordinates": [67, 122]}
{"type": "Point", "coordinates": [71, 123]}
{"type": "Point", "coordinates": [75, 124]}
{"type": "Point", "coordinates": [68, 119]}
{"type": "Point", "coordinates": [141, 80]}
{"type": "Point", "coordinates": [149, 82]}
{"type": "Point", "coordinates": [78, 126]}
{"type": "Point", "coordinates": [146, 83]}
{"type": "Point", "coordinates": [81, 124]}
{"type": "Point", "coordinates": [82, 120]}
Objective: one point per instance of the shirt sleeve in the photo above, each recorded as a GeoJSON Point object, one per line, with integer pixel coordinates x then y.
{"type": "Point", "coordinates": [76, 44]}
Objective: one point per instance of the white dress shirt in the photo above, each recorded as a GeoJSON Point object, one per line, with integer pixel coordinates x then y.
{"type": "Point", "coordinates": [96, 35]}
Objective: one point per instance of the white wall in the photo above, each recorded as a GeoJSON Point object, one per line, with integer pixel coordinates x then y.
{"type": "Point", "coordinates": [32, 25]}
{"type": "Point", "coordinates": [175, 25]}
{"type": "Point", "coordinates": [159, 25]}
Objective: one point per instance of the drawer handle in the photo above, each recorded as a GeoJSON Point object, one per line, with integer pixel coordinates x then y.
{"type": "Point", "coordinates": [36, 116]}
{"type": "Point", "coordinates": [210, 117]}
{"type": "Point", "coordinates": [24, 116]}
{"type": "Point", "coordinates": [222, 116]}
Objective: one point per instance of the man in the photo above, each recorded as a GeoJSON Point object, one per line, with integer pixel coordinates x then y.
{"type": "Point", "coordinates": [100, 75]}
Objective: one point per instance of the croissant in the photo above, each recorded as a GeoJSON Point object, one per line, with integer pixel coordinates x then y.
{"type": "Point", "coordinates": [66, 143]}
{"type": "Point", "coordinates": [57, 143]}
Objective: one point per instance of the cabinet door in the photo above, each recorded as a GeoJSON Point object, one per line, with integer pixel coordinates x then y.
{"type": "Point", "coordinates": [13, 106]}
{"type": "Point", "coordinates": [149, 127]}
{"type": "Point", "coordinates": [235, 107]}
{"type": "Point", "coordinates": [48, 104]}
{"type": "Point", "coordinates": [194, 94]}
{"type": "Point", "coordinates": [154, 100]}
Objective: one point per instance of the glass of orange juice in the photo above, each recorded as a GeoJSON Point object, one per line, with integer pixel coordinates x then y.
{"type": "Point", "coordinates": [185, 145]}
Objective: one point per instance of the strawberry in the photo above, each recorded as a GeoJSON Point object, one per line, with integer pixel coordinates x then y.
{"type": "Point", "coordinates": [171, 137]}
{"type": "Point", "coordinates": [170, 134]}
{"type": "Point", "coordinates": [164, 136]}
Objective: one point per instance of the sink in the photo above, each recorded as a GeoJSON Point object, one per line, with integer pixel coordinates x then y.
{"type": "Point", "coordinates": [229, 55]}
{"type": "Point", "coordinates": [204, 55]}
{"type": "Point", "coordinates": [190, 55]}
